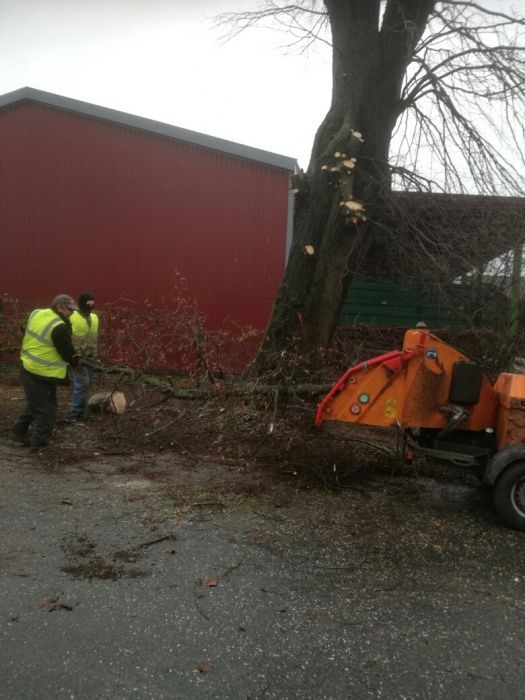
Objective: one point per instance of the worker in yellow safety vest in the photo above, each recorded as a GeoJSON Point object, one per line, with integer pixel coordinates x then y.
{"type": "Point", "coordinates": [84, 323]}
{"type": "Point", "coordinates": [47, 352]}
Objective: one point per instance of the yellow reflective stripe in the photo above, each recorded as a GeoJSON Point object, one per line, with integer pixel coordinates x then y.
{"type": "Point", "coordinates": [41, 361]}
{"type": "Point", "coordinates": [42, 337]}
{"type": "Point", "coordinates": [50, 325]}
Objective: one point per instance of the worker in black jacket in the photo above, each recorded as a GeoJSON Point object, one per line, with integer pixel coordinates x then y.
{"type": "Point", "coordinates": [47, 352]}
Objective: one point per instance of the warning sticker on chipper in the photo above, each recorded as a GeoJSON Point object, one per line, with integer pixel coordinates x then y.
{"type": "Point", "coordinates": [391, 408]}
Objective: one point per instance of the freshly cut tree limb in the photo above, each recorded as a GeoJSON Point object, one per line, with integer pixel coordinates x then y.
{"type": "Point", "coordinates": [246, 389]}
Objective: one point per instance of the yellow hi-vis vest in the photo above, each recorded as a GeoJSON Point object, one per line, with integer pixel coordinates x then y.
{"type": "Point", "coordinates": [39, 355]}
{"type": "Point", "coordinates": [85, 332]}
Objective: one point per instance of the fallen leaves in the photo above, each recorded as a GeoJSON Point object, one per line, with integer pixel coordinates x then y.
{"type": "Point", "coordinates": [52, 604]}
{"type": "Point", "coordinates": [205, 667]}
{"type": "Point", "coordinates": [95, 568]}
{"type": "Point", "coordinates": [210, 582]}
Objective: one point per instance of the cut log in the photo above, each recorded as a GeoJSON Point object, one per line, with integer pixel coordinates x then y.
{"type": "Point", "coordinates": [108, 402]}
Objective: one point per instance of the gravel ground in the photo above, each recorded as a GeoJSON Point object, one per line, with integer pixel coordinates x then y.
{"type": "Point", "coordinates": [147, 576]}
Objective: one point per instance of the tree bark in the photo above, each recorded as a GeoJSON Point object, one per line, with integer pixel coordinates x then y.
{"type": "Point", "coordinates": [336, 203]}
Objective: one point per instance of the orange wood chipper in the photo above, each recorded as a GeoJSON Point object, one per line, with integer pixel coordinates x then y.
{"type": "Point", "coordinates": [447, 408]}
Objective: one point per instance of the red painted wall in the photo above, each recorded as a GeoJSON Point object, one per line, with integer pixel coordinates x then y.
{"type": "Point", "coordinates": [89, 205]}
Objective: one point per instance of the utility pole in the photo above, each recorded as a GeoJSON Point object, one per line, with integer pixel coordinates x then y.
{"type": "Point", "coordinates": [515, 293]}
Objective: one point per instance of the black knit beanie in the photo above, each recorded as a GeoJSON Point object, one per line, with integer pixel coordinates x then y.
{"type": "Point", "coordinates": [82, 302]}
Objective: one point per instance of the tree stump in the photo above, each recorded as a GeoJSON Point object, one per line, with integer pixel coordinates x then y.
{"type": "Point", "coordinates": [108, 402]}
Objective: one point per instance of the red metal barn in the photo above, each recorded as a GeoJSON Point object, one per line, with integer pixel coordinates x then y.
{"type": "Point", "coordinates": [99, 200]}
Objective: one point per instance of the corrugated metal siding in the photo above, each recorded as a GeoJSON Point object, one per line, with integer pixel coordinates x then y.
{"type": "Point", "coordinates": [386, 303]}
{"type": "Point", "coordinates": [90, 205]}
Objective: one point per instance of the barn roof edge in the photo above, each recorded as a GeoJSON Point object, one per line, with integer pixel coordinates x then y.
{"type": "Point", "coordinates": [149, 125]}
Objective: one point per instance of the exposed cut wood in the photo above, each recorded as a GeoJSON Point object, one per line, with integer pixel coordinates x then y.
{"type": "Point", "coordinates": [108, 402]}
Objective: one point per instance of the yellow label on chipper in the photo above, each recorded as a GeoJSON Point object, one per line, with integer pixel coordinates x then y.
{"type": "Point", "coordinates": [391, 408]}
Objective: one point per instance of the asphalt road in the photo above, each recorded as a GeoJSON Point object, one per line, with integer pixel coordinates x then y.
{"type": "Point", "coordinates": [145, 577]}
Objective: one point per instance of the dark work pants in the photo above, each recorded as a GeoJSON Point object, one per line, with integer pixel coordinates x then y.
{"type": "Point", "coordinates": [40, 412]}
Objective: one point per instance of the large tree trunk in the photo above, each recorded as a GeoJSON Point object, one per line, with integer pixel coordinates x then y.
{"type": "Point", "coordinates": [332, 233]}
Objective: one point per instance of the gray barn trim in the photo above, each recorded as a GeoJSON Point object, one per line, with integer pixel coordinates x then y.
{"type": "Point", "coordinates": [149, 125]}
{"type": "Point", "coordinates": [289, 221]}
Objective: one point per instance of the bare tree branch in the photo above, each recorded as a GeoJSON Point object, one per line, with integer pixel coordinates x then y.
{"type": "Point", "coordinates": [428, 96]}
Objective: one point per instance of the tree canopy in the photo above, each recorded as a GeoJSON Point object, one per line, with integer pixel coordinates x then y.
{"type": "Point", "coordinates": [427, 95]}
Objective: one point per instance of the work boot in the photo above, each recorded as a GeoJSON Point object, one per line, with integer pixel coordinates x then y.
{"type": "Point", "coordinates": [38, 445]}
{"type": "Point", "coordinates": [79, 418]}
{"type": "Point", "coordinates": [37, 449]}
{"type": "Point", "coordinates": [20, 438]}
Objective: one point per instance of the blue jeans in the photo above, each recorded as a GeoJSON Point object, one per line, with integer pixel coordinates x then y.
{"type": "Point", "coordinates": [81, 382]}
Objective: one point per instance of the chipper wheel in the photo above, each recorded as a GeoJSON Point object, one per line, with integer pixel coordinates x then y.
{"type": "Point", "coordinates": [509, 495]}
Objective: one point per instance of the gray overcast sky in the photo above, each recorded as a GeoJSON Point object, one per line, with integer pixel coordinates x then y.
{"type": "Point", "coordinates": [162, 59]}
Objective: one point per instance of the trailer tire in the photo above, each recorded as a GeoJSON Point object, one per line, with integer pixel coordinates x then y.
{"type": "Point", "coordinates": [509, 495]}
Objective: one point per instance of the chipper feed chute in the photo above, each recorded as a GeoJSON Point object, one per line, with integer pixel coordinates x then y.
{"type": "Point", "coordinates": [427, 384]}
